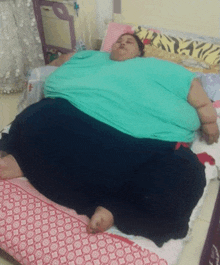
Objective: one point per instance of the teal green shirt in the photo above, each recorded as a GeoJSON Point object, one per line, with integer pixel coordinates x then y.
{"type": "Point", "coordinates": [142, 97]}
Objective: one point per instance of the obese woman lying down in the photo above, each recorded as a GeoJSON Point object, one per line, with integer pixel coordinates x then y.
{"type": "Point", "coordinates": [103, 141]}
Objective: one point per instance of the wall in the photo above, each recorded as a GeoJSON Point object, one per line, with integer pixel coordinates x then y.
{"type": "Point", "coordinates": [200, 17]}
{"type": "Point", "coordinates": [84, 23]}
{"type": "Point", "coordinates": [8, 108]}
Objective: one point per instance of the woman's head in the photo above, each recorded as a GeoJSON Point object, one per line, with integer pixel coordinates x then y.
{"type": "Point", "coordinates": [127, 46]}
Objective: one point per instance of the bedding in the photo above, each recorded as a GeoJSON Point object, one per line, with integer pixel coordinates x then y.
{"type": "Point", "coordinates": [190, 63]}
{"type": "Point", "coordinates": [34, 86]}
{"type": "Point", "coordinates": [211, 85]}
{"type": "Point", "coordinates": [114, 30]}
{"type": "Point", "coordinates": [37, 231]}
{"type": "Point", "coordinates": [208, 52]}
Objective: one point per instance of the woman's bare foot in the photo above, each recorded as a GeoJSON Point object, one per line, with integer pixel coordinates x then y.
{"type": "Point", "coordinates": [101, 221]}
{"type": "Point", "coordinates": [9, 168]}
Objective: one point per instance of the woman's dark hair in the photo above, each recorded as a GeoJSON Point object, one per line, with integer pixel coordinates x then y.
{"type": "Point", "coordinates": [139, 42]}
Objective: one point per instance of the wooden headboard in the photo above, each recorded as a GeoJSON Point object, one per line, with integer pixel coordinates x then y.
{"type": "Point", "coordinates": [61, 13]}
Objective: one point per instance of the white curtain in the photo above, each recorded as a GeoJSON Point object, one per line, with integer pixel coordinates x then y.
{"type": "Point", "coordinates": [20, 45]}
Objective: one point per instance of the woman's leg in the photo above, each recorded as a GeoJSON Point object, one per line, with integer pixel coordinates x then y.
{"type": "Point", "coordinates": [162, 197]}
{"type": "Point", "coordinates": [101, 220]}
{"type": "Point", "coordinates": [22, 142]}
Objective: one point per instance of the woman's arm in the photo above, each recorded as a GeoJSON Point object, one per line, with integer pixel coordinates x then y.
{"type": "Point", "coordinates": [207, 114]}
{"type": "Point", "coordinates": [62, 59]}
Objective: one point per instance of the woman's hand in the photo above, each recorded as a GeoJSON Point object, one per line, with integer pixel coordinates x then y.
{"type": "Point", "coordinates": [62, 59]}
{"type": "Point", "coordinates": [210, 132]}
{"type": "Point", "coordinates": [207, 114]}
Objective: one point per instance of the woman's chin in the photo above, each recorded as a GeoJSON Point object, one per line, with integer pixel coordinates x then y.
{"type": "Point", "coordinates": [118, 57]}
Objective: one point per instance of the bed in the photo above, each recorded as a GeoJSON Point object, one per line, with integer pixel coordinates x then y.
{"type": "Point", "coordinates": [35, 230]}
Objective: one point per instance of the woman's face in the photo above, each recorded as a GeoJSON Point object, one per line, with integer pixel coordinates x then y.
{"type": "Point", "coordinates": [125, 48]}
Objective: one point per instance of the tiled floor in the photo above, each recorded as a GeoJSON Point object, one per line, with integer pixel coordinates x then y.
{"type": "Point", "coordinates": [192, 250]}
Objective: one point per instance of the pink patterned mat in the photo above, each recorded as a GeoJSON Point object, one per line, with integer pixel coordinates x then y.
{"type": "Point", "coordinates": [37, 231]}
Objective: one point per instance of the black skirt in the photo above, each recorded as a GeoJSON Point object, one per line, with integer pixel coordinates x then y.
{"type": "Point", "coordinates": [80, 162]}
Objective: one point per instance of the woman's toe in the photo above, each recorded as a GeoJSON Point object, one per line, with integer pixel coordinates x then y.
{"type": "Point", "coordinates": [94, 226]}
{"type": "Point", "coordinates": [101, 221]}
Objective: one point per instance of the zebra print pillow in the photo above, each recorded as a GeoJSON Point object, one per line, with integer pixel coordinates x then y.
{"type": "Point", "coordinates": [209, 53]}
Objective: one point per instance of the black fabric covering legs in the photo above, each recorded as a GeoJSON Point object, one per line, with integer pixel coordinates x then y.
{"type": "Point", "coordinates": [82, 163]}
